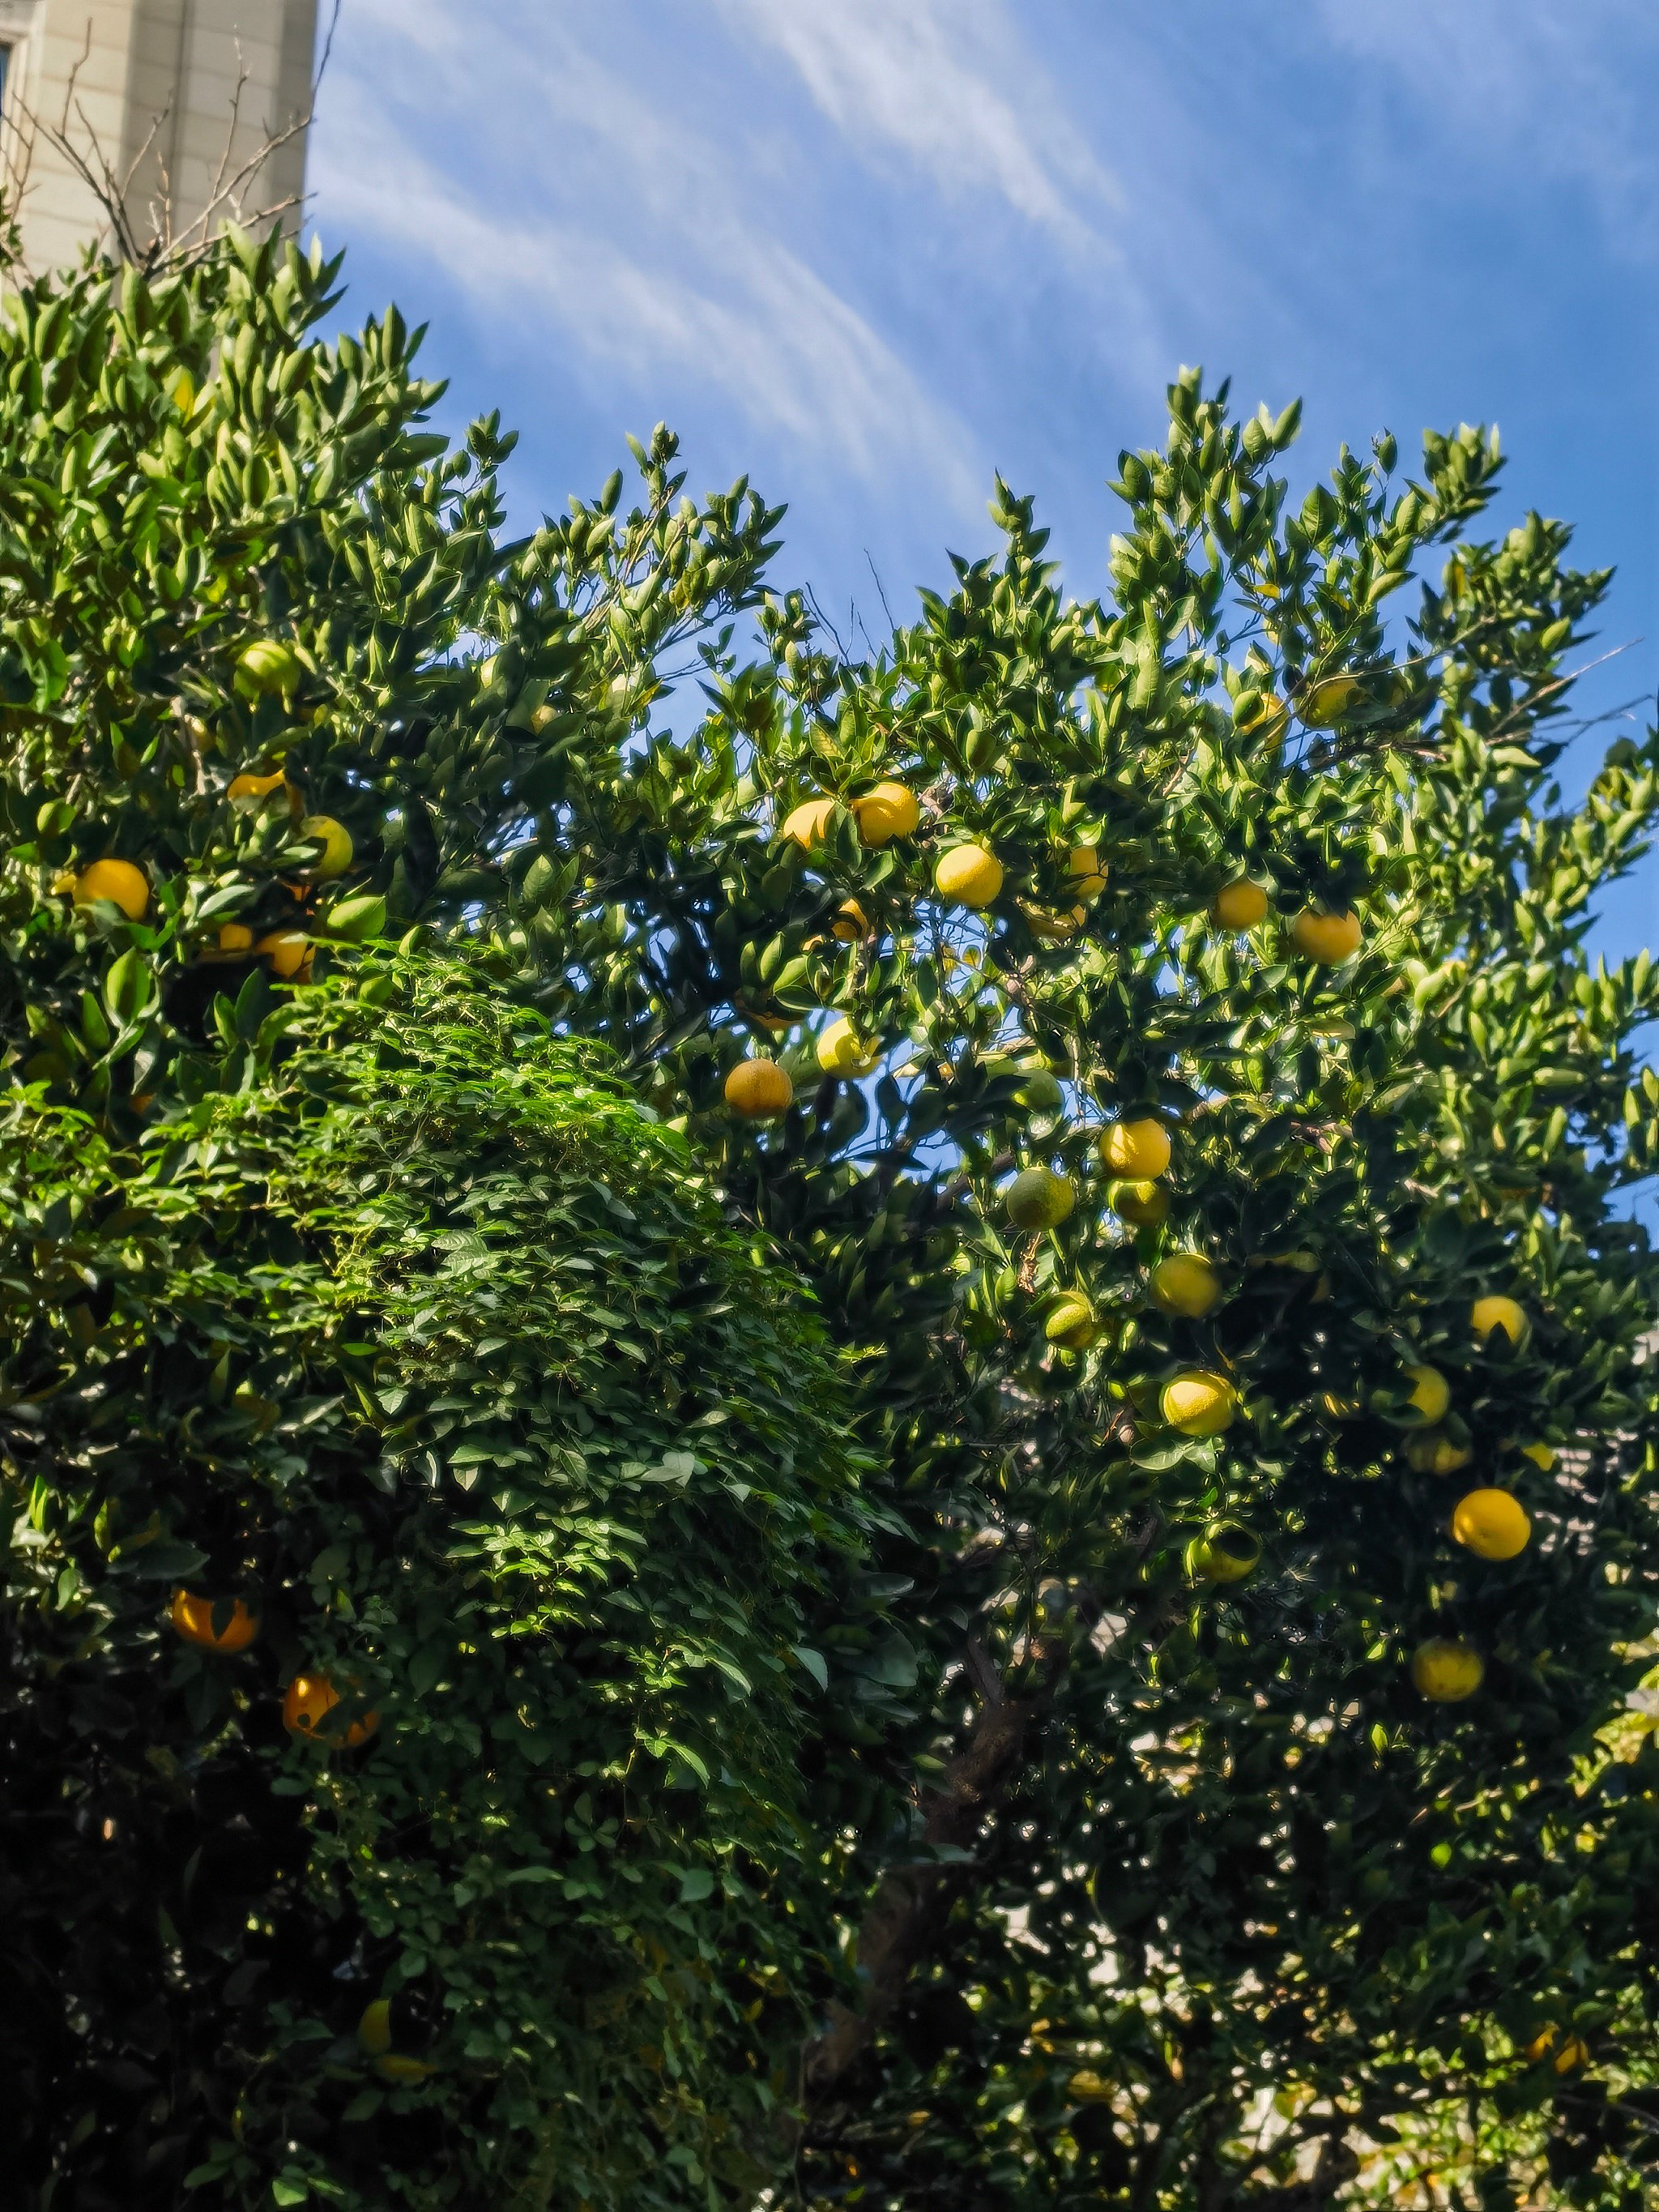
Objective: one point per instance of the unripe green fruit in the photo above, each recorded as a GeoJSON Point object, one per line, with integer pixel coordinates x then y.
{"type": "Point", "coordinates": [1143, 1205]}
{"type": "Point", "coordinates": [1039, 1199]}
{"type": "Point", "coordinates": [267, 666]}
{"type": "Point", "coordinates": [1071, 1322]}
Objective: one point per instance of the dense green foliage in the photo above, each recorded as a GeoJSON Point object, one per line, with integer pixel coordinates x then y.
{"type": "Point", "coordinates": [409, 1329]}
{"type": "Point", "coordinates": [1157, 1890]}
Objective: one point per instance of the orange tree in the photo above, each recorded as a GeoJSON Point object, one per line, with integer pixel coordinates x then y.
{"type": "Point", "coordinates": [1159, 1033]}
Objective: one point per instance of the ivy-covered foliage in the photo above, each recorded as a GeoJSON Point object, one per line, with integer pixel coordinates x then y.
{"type": "Point", "coordinates": [411, 1335]}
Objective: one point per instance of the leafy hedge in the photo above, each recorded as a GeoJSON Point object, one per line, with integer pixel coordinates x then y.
{"type": "Point", "coordinates": [413, 1332]}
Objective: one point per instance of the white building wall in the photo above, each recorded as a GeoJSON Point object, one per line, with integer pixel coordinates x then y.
{"type": "Point", "coordinates": [149, 89]}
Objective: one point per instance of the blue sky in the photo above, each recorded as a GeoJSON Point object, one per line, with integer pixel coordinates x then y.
{"type": "Point", "coordinates": [869, 250]}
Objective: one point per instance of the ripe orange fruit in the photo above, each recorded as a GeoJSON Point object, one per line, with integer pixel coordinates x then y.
{"type": "Point", "coordinates": [1329, 938]}
{"type": "Point", "coordinates": [338, 848]}
{"type": "Point", "coordinates": [759, 1090]}
{"type": "Point", "coordinates": [1492, 1523]}
{"type": "Point", "coordinates": [968, 874]}
{"type": "Point", "coordinates": [808, 822]}
{"type": "Point", "coordinates": [117, 881]}
{"type": "Point", "coordinates": [1039, 1199]}
{"type": "Point", "coordinates": [395, 2066]}
{"type": "Point", "coordinates": [235, 937]}
{"type": "Point", "coordinates": [1138, 1150]}
{"type": "Point", "coordinates": [1239, 905]}
{"type": "Point", "coordinates": [1198, 1403]}
{"type": "Point", "coordinates": [1326, 702]}
{"type": "Point", "coordinates": [288, 952]}
{"type": "Point", "coordinates": [1226, 1553]}
{"type": "Point", "coordinates": [1085, 863]}
{"type": "Point", "coordinates": [307, 1704]}
{"type": "Point", "coordinates": [374, 2029]}
{"type": "Point", "coordinates": [1055, 928]}
{"type": "Point", "coordinates": [851, 924]}
{"type": "Point", "coordinates": [1488, 1314]}
{"type": "Point", "coordinates": [890, 811]}
{"type": "Point", "coordinates": [192, 1619]}
{"type": "Point", "coordinates": [247, 785]}
{"type": "Point", "coordinates": [1431, 1392]}
{"type": "Point", "coordinates": [841, 1051]}
{"type": "Point", "coordinates": [1266, 720]}
{"type": "Point", "coordinates": [1184, 1284]}
{"type": "Point", "coordinates": [1446, 1671]}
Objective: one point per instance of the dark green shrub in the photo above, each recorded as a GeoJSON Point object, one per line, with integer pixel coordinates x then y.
{"type": "Point", "coordinates": [419, 1336]}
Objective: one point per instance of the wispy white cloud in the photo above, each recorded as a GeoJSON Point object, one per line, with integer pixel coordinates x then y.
{"type": "Point", "coordinates": [949, 85]}
{"type": "Point", "coordinates": [605, 223]}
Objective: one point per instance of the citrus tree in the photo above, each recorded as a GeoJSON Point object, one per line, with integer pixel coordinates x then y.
{"type": "Point", "coordinates": [1158, 1031]}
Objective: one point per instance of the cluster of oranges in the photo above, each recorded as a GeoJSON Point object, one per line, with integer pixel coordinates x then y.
{"type": "Point", "coordinates": [969, 874]}
{"type": "Point", "coordinates": [228, 1627]}
{"type": "Point", "coordinates": [1195, 1401]}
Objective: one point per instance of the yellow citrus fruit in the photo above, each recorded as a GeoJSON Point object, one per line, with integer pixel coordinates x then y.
{"type": "Point", "coordinates": [1541, 1455]}
{"type": "Point", "coordinates": [1037, 1198]}
{"type": "Point", "coordinates": [842, 1051]}
{"type": "Point", "coordinates": [180, 388]}
{"type": "Point", "coordinates": [192, 1619]}
{"type": "Point", "coordinates": [1447, 1671]}
{"type": "Point", "coordinates": [1071, 1322]}
{"type": "Point", "coordinates": [247, 785]}
{"type": "Point", "coordinates": [1198, 1403]}
{"type": "Point", "coordinates": [1540, 2045]}
{"type": "Point", "coordinates": [1492, 1523]}
{"type": "Point", "coordinates": [1488, 1314]}
{"type": "Point", "coordinates": [288, 952]}
{"type": "Point", "coordinates": [235, 937]}
{"type": "Point", "coordinates": [808, 822]}
{"type": "Point", "coordinates": [890, 811]}
{"type": "Point", "coordinates": [1055, 928]}
{"type": "Point", "coordinates": [1328, 939]}
{"type": "Point", "coordinates": [759, 1090]}
{"type": "Point", "coordinates": [338, 848]}
{"type": "Point", "coordinates": [969, 875]}
{"type": "Point", "coordinates": [1226, 1553]}
{"type": "Point", "coordinates": [1137, 1150]}
{"type": "Point", "coordinates": [1324, 703]}
{"type": "Point", "coordinates": [266, 666]}
{"type": "Point", "coordinates": [374, 2029]}
{"type": "Point", "coordinates": [1431, 1392]}
{"type": "Point", "coordinates": [1184, 1284]}
{"type": "Point", "coordinates": [1266, 720]}
{"type": "Point", "coordinates": [1432, 1451]}
{"type": "Point", "coordinates": [1084, 862]}
{"type": "Point", "coordinates": [117, 881]}
{"type": "Point", "coordinates": [395, 2067]}
{"type": "Point", "coordinates": [307, 1704]}
{"type": "Point", "coordinates": [851, 924]}
{"type": "Point", "coordinates": [1573, 2053]}
{"type": "Point", "coordinates": [1143, 1204]}
{"type": "Point", "coordinates": [1239, 905]}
